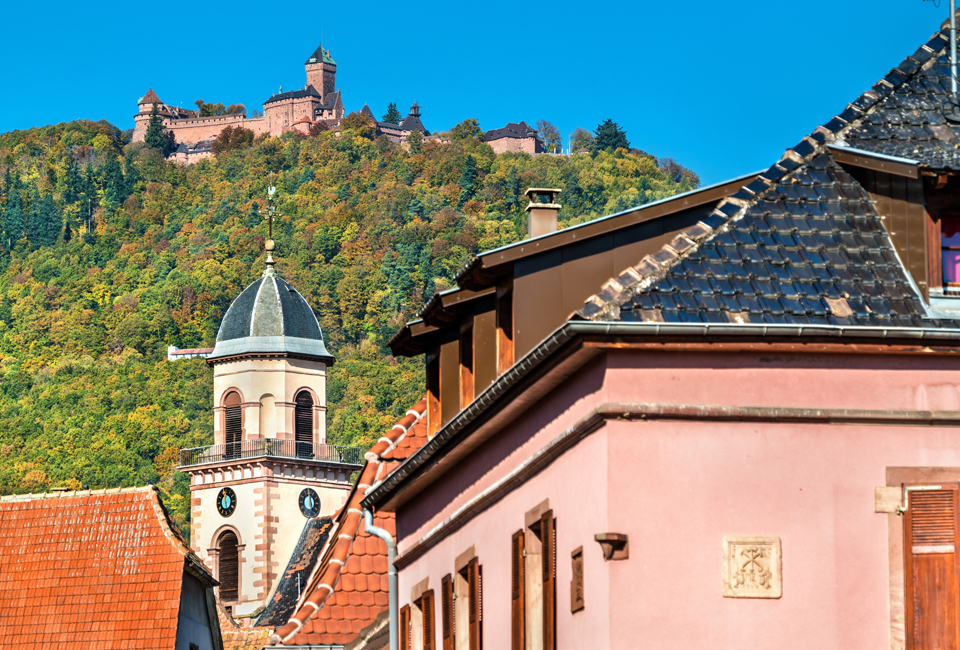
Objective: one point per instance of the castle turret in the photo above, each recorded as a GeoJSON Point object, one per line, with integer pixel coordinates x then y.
{"type": "Point", "coordinates": [322, 72]}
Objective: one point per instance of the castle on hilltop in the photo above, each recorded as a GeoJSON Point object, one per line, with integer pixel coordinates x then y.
{"type": "Point", "coordinates": [317, 101]}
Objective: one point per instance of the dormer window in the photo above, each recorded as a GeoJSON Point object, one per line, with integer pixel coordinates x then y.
{"type": "Point", "coordinates": [950, 251]}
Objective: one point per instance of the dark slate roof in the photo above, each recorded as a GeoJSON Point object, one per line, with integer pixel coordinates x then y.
{"type": "Point", "coordinates": [269, 316]}
{"type": "Point", "coordinates": [511, 130]}
{"type": "Point", "coordinates": [802, 244]}
{"type": "Point", "coordinates": [367, 113]}
{"type": "Point", "coordinates": [411, 123]}
{"type": "Point", "coordinates": [312, 541]}
{"type": "Point", "coordinates": [310, 91]}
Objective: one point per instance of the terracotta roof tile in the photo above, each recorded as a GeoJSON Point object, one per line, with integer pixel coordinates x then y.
{"type": "Point", "coordinates": [351, 595]}
{"type": "Point", "coordinates": [79, 569]}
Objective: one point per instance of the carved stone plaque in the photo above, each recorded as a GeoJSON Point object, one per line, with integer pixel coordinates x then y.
{"type": "Point", "coordinates": [576, 584]}
{"type": "Point", "coordinates": [752, 567]}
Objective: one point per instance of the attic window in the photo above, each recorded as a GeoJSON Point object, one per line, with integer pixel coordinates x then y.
{"type": "Point", "coordinates": [950, 249]}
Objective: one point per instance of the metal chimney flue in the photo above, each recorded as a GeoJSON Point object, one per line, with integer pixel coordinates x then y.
{"type": "Point", "coordinates": [542, 210]}
{"type": "Point", "coordinates": [952, 113]}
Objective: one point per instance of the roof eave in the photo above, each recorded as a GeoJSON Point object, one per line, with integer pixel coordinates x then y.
{"type": "Point", "coordinates": [389, 494]}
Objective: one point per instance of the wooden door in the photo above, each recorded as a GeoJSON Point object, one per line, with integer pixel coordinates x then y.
{"type": "Point", "coordinates": [931, 576]}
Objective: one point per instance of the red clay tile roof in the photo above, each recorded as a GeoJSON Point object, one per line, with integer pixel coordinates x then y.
{"type": "Point", "coordinates": [150, 98]}
{"type": "Point", "coordinates": [91, 569]}
{"type": "Point", "coordinates": [239, 638]}
{"type": "Point", "coordinates": [348, 589]}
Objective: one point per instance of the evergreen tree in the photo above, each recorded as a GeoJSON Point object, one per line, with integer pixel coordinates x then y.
{"type": "Point", "coordinates": [392, 115]}
{"type": "Point", "coordinates": [467, 177]}
{"type": "Point", "coordinates": [73, 183]}
{"type": "Point", "coordinates": [609, 135]}
{"type": "Point", "coordinates": [46, 222]}
{"type": "Point", "coordinates": [113, 183]}
{"type": "Point", "coordinates": [14, 221]}
{"type": "Point", "coordinates": [156, 137]}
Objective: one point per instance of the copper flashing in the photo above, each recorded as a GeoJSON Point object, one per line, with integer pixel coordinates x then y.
{"type": "Point", "coordinates": [875, 161]}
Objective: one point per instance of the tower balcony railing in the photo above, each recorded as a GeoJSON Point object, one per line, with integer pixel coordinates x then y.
{"type": "Point", "coordinates": [271, 448]}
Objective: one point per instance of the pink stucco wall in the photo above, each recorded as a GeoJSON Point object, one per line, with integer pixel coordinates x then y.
{"type": "Point", "coordinates": [677, 487]}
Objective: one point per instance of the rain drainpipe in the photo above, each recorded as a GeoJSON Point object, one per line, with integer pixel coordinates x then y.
{"type": "Point", "coordinates": [953, 48]}
{"type": "Point", "coordinates": [391, 571]}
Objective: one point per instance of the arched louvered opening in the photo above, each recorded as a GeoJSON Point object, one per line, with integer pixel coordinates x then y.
{"type": "Point", "coordinates": [303, 424]}
{"type": "Point", "coordinates": [228, 568]}
{"type": "Point", "coordinates": [233, 425]}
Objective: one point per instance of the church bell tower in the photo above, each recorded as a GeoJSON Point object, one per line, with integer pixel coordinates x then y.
{"type": "Point", "coordinates": [269, 469]}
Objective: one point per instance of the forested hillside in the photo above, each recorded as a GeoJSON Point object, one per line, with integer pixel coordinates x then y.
{"type": "Point", "coordinates": [108, 254]}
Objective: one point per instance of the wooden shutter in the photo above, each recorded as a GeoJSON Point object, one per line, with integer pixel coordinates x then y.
{"type": "Point", "coordinates": [931, 579]}
{"type": "Point", "coordinates": [429, 632]}
{"type": "Point", "coordinates": [228, 567]}
{"type": "Point", "coordinates": [303, 415]}
{"type": "Point", "coordinates": [446, 604]}
{"type": "Point", "coordinates": [504, 330]}
{"type": "Point", "coordinates": [233, 425]}
{"type": "Point", "coordinates": [518, 597]}
{"type": "Point", "coordinates": [474, 582]}
{"type": "Point", "coordinates": [404, 630]}
{"type": "Point", "coordinates": [466, 366]}
{"type": "Point", "coordinates": [548, 535]}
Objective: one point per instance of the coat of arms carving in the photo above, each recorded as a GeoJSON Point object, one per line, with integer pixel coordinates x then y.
{"type": "Point", "coordinates": [752, 567]}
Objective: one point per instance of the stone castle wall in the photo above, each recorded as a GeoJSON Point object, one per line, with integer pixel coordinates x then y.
{"type": "Point", "coordinates": [516, 145]}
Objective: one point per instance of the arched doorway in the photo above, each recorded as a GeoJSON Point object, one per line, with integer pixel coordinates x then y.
{"type": "Point", "coordinates": [303, 424]}
{"type": "Point", "coordinates": [228, 566]}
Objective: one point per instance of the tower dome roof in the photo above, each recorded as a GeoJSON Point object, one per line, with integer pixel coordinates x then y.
{"type": "Point", "coordinates": [270, 317]}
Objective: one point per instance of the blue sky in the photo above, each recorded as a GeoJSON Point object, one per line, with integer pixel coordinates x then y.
{"type": "Point", "coordinates": [724, 88]}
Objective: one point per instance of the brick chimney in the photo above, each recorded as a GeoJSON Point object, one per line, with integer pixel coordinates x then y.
{"type": "Point", "coordinates": [542, 211]}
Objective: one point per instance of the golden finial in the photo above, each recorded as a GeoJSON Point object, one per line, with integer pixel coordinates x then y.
{"type": "Point", "coordinates": [270, 212]}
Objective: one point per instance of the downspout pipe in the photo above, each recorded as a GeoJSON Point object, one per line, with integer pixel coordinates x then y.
{"type": "Point", "coordinates": [391, 573]}
{"type": "Point", "coordinates": [953, 48]}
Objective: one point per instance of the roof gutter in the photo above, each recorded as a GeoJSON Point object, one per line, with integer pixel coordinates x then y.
{"type": "Point", "coordinates": [487, 403]}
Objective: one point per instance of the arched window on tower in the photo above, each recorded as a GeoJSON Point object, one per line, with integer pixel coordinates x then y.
{"type": "Point", "coordinates": [228, 566]}
{"type": "Point", "coordinates": [233, 425]}
{"type": "Point", "coordinates": [303, 424]}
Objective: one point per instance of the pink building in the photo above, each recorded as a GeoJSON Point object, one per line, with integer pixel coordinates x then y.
{"type": "Point", "coordinates": [723, 420]}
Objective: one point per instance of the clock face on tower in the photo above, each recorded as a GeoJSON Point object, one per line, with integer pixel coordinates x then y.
{"type": "Point", "coordinates": [226, 502]}
{"type": "Point", "coordinates": [309, 503]}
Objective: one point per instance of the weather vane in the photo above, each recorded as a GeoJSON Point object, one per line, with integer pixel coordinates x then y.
{"type": "Point", "coordinates": [270, 212]}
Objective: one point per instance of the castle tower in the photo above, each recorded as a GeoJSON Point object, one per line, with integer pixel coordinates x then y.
{"type": "Point", "coordinates": [322, 72]}
{"type": "Point", "coordinates": [269, 468]}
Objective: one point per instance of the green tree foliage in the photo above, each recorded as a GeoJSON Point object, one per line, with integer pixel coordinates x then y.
{"type": "Point", "coordinates": [608, 136]}
{"type": "Point", "coordinates": [467, 130]}
{"type": "Point", "coordinates": [232, 138]}
{"type": "Point", "coordinates": [213, 110]}
{"type": "Point", "coordinates": [152, 254]}
{"type": "Point", "coordinates": [550, 135]}
{"type": "Point", "coordinates": [392, 115]}
{"type": "Point", "coordinates": [415, 141]}
{"type": "Point", "coordinates": [581, 141]}
{"type": "Point", "coordinates": [156, 136]}
{"type": "Point", "coordinates": [359, 125]}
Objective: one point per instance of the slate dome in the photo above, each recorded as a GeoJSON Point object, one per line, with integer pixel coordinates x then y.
{"type": "Point", "coordinates": [270, 316]}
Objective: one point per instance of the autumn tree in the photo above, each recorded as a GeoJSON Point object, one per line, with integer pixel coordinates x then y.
{"type": "Point", "coordinates": [360, 125]}
{"type": "Point", "coordinates": [392, 115]}
{"type": "Point", "coordinates": [231, 138]}
{"type": "Point", "coordinates": [609, 136]}
{"type": "Point", "coordinates": [468, 129]}
{"type": "Point", "coordinates": [550, 135]}
{"type": "Point", "coordinates": [580, 140]}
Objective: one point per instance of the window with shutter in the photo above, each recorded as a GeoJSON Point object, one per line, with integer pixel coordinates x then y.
{"type": "Point", "coordinates": [303, 424]}
{"type": "Point", "coordinates": [233, 425]}
{"type": "Point", "coordinates": [475, 584]}
{"type": "Point", "coordinates": [429, 632]}
{"type": "Point", "coordinates": [446, 604]}
{"type": "Point", "coordinates": [228, 566]}
{"type": "Point", "coordinates": [931, 581]}
{"type": "Point", "coordinates": [548, 537]}
{"type": "Point", "coordinates": [404, 630]}
{"type": "Point", "coordinates": [518, 601]}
